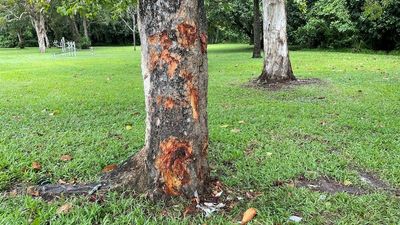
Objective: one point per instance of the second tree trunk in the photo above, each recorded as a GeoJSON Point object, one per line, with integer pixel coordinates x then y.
{"type": "Point", "coordinates": [277, 66]}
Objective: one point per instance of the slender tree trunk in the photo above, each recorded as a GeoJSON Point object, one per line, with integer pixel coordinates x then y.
{"type": "Point", "coordinates": [39, 24]}
{"type": "Point", "coordinates": [21, 39]}
{"type": "Point", "coordinates": [47, 40]}
{"type": "Point", "coordinates": [257, 30]}
{"type": "Point", "coordinates": [174, 66]}
{"type": "Point", "coordinates": [277, 66]}
{"type": "Point", "coordinates": [85, 27]}
{"type": "Point", "coordinates": [134, 30]}
{"type": "Point", "coordinates": [75, 29]}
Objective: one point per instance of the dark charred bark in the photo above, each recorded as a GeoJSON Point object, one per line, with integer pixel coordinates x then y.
{"type": "Point", "coordinates": [257, 30]}
{"type": "Point", "coordinates": [277, 66]}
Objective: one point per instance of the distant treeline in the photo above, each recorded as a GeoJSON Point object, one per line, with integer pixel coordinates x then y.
{"type": "Point", "coordinates": [357, 24]}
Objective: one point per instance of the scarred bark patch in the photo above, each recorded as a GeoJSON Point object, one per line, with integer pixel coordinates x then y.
{"type": "Point", "coordinates": [187, 35]}
{"type": "Point", "coordinates": [172, 60]}
{"type": "Point", "coordinates": [172, 163]}
{"type": "Point", "coordinates": [194, 101]}
{"type": "Point", "coordinates": [169, 103]}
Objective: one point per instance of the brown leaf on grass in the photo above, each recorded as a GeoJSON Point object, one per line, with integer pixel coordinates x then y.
{"type": "Point", "coordinates": [66, 158]}
{"type": "Point", "coordinates": [64, 209]}
{"type": "Point", "coordinates": [32, 191]}
{"type": "Point", "coordinates": [248, 215]}
{"type": "Point", "coordinates": [36, 166]}
{"type": "Point", "coordinates": [110, 168]}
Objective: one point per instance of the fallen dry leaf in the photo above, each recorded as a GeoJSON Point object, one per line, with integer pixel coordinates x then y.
{"type": "Point", "coordinates": [224, 126]}
{"type": "Point", "coordinates": [128, 127]}
{"type": "Point", "coordinates": [32, 191]}
{"type": "Point", "coordinates": [248, 215]}
{"type": "Point", "coordinates": [54, 113]}
{"type": "Point", "coordinates": [64, 209]}
{"type": "Point", "coordinates": [110, 168]}
{"type": "Point", "coordinates": [60, 181]}
{"type": "Point", "coordinates": [36, 166]}
{"type": "Point", "coordinates": [235, 130]}
{"type": "Point", "coordinates": [66, 158]}
{"type": "Point", "coordinates": [242, 122]}
{"type": "Point", "coordinates": [347, 183]}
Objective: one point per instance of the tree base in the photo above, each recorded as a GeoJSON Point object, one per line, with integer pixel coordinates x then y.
{"type": "Point", "coordinates": [266, 78]}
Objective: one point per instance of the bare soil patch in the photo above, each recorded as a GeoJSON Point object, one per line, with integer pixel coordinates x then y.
{"type": "Point", "coordinates": [284, 85]}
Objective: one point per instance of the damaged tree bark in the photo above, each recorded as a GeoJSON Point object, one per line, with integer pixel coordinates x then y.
{"type": "Point", "coordinates": [277, 66]}
{"type": "Point", "coordinates": [174, 65]}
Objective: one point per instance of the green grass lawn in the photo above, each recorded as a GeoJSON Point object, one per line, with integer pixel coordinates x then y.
{"type": "Point", "coordinates": [349, 123]}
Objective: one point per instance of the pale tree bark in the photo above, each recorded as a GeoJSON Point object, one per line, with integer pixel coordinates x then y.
{"type": "Point", "coordinates": [277, 66]}
{"type": "Point", "coordinates": [39, 24]}
{"type": "Point", "coordinates": [257, 29]}
{"type": "Point", "coordinates": [85, 27]}
{"type": "Point", "coordinates": [174, 66]}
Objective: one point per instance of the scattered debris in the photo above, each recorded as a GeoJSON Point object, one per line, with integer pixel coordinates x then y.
{"type": "Point", "coordinates": [295, 219]}
{"type": "Point", "coordinates": [235, 130]}
{"type": "Point", "coordinates": [209, 208]}
{"type": "Point", "coordinates": [32, 191]}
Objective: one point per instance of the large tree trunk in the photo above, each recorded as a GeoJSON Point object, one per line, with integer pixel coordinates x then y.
{"type": "Point", "coordinates": [174, 66]}
{"type": "Point", "coordinates": [85, 27]}
{"type": "Point", "coordinates": [257, 30]}
{"type": "Point", "coordinates": [277, 67]}
{"type": "Point", "coordinates": [39, 24]}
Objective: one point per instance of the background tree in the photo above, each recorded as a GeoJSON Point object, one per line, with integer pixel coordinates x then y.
{"type": "Point", "coordinates": [277, 66]}
{"type": "Point", "coordinates": [127, 12]}
{"type": "Point", "coordinates": [257, 30]}
{"type": "Point", "coordinates": [15, 20]}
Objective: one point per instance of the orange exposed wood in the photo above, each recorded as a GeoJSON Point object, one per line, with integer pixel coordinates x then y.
{"type": "Point", "coordinates": [187, 35]}
{"type": "Point", "coordinates": [172, 163]}
{"type": "Point", "coordinates": [169, 103]}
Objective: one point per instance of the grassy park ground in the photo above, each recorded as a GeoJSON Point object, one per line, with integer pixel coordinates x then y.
{"type": "Point", "coordinates": [327, 152]}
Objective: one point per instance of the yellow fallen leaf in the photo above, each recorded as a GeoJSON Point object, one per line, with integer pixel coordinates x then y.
{"type": "Point", "coordinates": [54, 113]}
{"type": "Point", "coordinates": [347, 183]}
{"type": "Point", "coordinates": [242, 122]}
{"type": "Point", "coordinates": [64, 209]}
{"type": "Point", "coordinates": [129, 127]}
{"type": "Point", "coordinates": [248, 215]}
{"type": "Point", "coordinates": [235, 130]}
{"type": "Point", "coordinates": [269, 154]}
{"type": "Point", "coordinates": [224, 126]}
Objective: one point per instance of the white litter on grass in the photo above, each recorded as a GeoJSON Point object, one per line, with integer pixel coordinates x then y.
{"type": "Point", "coordinates": [218, 194]}
{"type": "Point", "coordinates": [209, 208]}
{"type": "Point", "coordinates": [295, 219]}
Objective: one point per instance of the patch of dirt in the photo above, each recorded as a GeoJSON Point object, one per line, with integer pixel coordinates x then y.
{"type": "Point", "coordinates": [284, 85]}
{"type": "Point", "coordinates": [328, 185]}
